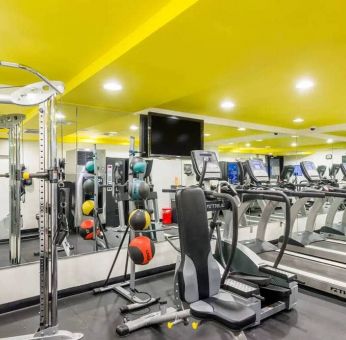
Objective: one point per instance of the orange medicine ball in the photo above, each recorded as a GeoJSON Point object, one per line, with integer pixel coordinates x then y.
{"type": "Point", "coordinates": [141, 250]}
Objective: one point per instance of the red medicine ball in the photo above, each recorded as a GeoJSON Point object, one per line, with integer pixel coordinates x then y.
{"type": "Point", "coordinates": [86, 229]}
{"type": "Point", "coordinates": [141, 250]}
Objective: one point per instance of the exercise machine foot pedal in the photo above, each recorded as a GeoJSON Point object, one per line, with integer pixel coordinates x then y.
{"type": "Point", "coordinates": [260, 280]}
{"type": "Point", "coordinates": [244, 289]}
{"type": "Point", "coordinates": [289, 277]}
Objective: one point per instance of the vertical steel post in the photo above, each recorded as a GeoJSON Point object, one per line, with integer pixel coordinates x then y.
{"type": "Point", "coordinates": [53, 184]}
{"type": "Point", "coordinates": [14, 192]}
{"type": "Point", "coordinates": [43, 221]}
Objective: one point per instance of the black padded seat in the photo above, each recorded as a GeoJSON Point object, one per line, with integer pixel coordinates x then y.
{"type": "Point", "coordinates": [225, 310]}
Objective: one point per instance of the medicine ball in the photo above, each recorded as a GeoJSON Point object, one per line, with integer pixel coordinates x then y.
{"type": "Point", "coordinates": [138, 189]}
{"type": "Point", "coordinates": [88, 207]}
{"type": "Point", "coordinates": [90, 167]}
{"type": "Point", "coordinates": [88, 186]}
{"type": "Point", "coordinates": [141, 250]}
{"type": "Point", "coordinates": [138, 165]}
{"type": "Point", "coordinates": [86, 229]}
{"type": "Point", "coordinates": [139, 219]}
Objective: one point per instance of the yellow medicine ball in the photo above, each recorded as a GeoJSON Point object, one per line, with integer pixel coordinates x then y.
{"type": "Point", "coordinates": [139, 219]}
{"type": "Point", "coordinates": [88, 207]}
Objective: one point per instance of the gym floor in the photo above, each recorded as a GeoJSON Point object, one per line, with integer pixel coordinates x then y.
{"type": "Point", "coordinates": [316, 317]}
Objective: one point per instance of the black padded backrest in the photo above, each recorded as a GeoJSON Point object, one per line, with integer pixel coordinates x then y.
{"type": "Point", "coordinates": [198, 273]}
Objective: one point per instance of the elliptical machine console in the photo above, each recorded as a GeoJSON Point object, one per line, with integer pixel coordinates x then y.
{"type": "Point", "coordinates": [212, 168]}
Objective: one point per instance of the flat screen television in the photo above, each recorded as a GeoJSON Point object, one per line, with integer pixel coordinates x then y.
{"type": "Point", "coordinates": [172, 136]}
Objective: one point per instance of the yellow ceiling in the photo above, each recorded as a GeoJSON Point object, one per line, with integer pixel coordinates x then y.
{"type": "Point", "coordinates": [185, 55]}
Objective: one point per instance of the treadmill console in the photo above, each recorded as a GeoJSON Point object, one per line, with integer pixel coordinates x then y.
{"type": "Point", "coordinates": [257, 170]}
{"type": "Point", "coordinates": [334, 169]}
{"type": "Point", "coordinates": [309, 170]}
{"type": "Point", "coordinates": [213, 168]}
{"type": "Point", "coordinates": [343, 169]}
{"type": "Point", "coordinates": [287, 172]}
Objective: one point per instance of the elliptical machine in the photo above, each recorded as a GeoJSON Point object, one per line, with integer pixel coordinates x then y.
{"type": "Point", "coordinates": [264, 288]}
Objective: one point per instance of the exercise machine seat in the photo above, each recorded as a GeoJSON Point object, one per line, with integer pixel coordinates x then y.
{"type": "Point", "coordinates": [199, 275]}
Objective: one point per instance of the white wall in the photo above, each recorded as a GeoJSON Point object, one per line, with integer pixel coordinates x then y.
{"type": "Point", "coordinates": [319, 158]}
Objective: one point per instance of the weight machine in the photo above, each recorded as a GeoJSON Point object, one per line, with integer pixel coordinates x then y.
{"type": "Point", "coordinates": [50, 169]}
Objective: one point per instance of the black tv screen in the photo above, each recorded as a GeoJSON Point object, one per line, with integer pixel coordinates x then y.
{"type": "Point", "coordinates": [174, 136]}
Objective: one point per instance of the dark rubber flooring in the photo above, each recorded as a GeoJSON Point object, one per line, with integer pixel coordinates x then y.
{"type": "Point", "coordinates": [316, 317]}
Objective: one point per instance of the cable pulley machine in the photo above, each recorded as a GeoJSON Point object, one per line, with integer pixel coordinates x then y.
{"type": "Point", "coordinates": [49, 176]}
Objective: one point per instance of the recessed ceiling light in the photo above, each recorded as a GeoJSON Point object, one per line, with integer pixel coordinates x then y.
{"type": "Point", "coordinates": [241, 129]}
{"type": "Point", "coordinates": [298, 120]}
{"type": "Point", "coordinates": [227, 104]}
{"type": "Point", "coordinates": [133, 127]}
{"type": "Point", "coordinates": [294, 136]}
{"type": "Point", "coordinates": [207, 135]}
{"type": "Point", "coordinates": [330, 140]}
{"type": "Point", "coordinates": [294, 145]}
{"type": "Point", "coordinates": [60, 116]}
{"type": "Point", "coordinates": [112, 86]}
{"type": "Point", "coordinates": [247, 145]}
{"type": "Point", "coordinates": [304, 84]}
{"type": "Point", "coordinates": [259, 140]}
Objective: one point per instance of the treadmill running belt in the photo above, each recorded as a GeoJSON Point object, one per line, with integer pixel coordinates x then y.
{"type": "Point", "coordinates": [331, 246]}
{"type": "Point", "coordinates": [307, 265]}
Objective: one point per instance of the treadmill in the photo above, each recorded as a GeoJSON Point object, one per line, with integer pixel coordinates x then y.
{"type": "Point", "coordinates": [331, 230]}
{"type": "Point", "coordinates": [318, 273]}
{"type": "Point", "coordinates": [308, 241]}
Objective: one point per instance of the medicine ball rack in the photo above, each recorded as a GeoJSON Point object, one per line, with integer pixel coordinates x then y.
{"type": "Point", "coordinates": [49, 175]}
{"type": "Point", "coordinates": [127, 288]}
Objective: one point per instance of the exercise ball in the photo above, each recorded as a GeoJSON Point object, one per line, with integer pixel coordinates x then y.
{"type": "Point", "coordinates": [138, 165]}
{"type": "Point", "coordinates": [88, 207]}
{"type": "Point", "coordinates": [138, 189]}
{"type": "Point", "coordinates": [86, 229]}
{"type": "Point", "coordinates": [141, 250]}
{"type": "Point", "coordinates": [139, 219]}
{"type": "Point", "coordinates": [90, 167]}
{"type": "Point", "coordinates": [88, 186]}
